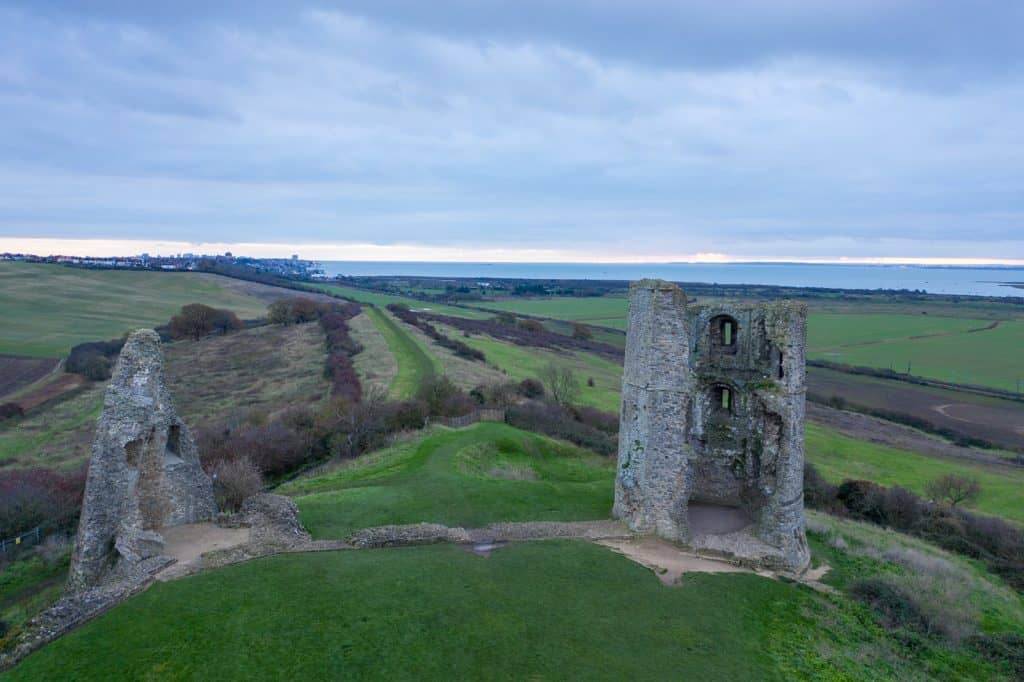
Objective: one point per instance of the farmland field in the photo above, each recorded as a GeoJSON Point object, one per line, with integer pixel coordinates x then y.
{"type": "Point", "coordinates": [604, 311]}
{"type": "Point", "coordinates": [995, 420]}
{"type": "Point", "coordinates": [18, 372]}
{"type": "Point", "coordinates": [993, 357]}
{"type": "Point", "coordinates": [49, 308]}
{"type": "Point", "coordinates": [838, 457]}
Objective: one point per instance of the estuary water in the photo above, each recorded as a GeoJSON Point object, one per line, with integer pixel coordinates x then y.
{"type": "Point", "coordinates": [976, 281]}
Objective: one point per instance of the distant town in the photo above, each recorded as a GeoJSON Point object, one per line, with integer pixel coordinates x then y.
{"type": "Point", "coordinates": [282, 267]}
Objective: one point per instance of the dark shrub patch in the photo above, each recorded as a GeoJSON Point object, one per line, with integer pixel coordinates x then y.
{"type": "Point", "coordinates": [896, 608]}
{"type": "Point", "coordinates": [531, 388]}
{"type": "Point", "coordinates": [557, 422]}
{"type": "Point", "coordinates": [93, 359]}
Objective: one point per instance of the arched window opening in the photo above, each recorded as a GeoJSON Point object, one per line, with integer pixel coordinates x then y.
{"type": "Point", "coordinates": [724, 332]}
{"type": "Point", "coordinates": [722, 400]}
{"type": "Point", "coordinates": [780, 370]}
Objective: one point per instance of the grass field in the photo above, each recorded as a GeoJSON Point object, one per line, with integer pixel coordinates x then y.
{"type": "Point", "coordinates": [838, 457]}
{"type": "Point", "coordinates": [836, 332]}
{"type": "Point", "coordinates": [383, 300]}
{"type": "Point", "coordinates": [49, 308]}
{"type": "Point", "coordinates": [994, 357]}
{"type": "Point", "coordinates": [414, 363]}
{"type": "Point", "coordinates": [521, 362]}
{"type": "Point", "coordinates": [604, 311]}
{"type": "Point", "coordinates": [469, 477]}
{"type": "Point", "coordinates": [550, 610]}
{"type": "Point", "coordinates": [375, 363]}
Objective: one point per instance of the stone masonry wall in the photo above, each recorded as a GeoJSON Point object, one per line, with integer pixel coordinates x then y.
{"type": "Point", "coordinates": [713, 414]}
{"type": "Point", "coordinates": [144, 473]}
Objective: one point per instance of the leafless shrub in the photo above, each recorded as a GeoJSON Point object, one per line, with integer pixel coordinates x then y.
{"type": "Point", "coordinates": [954, 489]}
{"type": "Point", "coordinates": [234, 481]}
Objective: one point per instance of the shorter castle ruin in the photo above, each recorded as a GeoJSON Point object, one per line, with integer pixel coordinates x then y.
{"type": "Point", "coordinates": [711, 436]}
{"type": "Point", "coordinates": [144, 474]}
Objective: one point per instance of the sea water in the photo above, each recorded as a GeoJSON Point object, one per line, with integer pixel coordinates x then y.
{"type": "Point", "coordinates": [977, 281]}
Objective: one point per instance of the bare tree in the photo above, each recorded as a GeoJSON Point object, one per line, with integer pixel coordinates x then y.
{"type": "Point", "coordinates": [561, 383]}
{"type": "Point", "coordinates": [954, 489]}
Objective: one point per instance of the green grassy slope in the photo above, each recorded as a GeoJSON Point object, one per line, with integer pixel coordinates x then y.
{"type": "Point", "coordinates": [414, 363]}
{"type": "Point", "coordinates": [550, 610]}
{"type": "Point", "coordinates": [839, 457]}
{"type": "Point", "coordinates": [49, 308]}
{"type": "Point", "coordinates": [469, 477]}
{"type": "Point", "coordinates": [521, 362]}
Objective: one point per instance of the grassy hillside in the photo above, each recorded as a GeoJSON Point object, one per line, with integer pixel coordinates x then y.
{"type": "Point", "coordinates": [470, 477]}
{"type": "Point", "coordinates": [49, 308]}
{"type": "Point", "coordinates": [552, 610]}
{"type": "Point", "coordinates": [839, 457]}
{"type": "Point", "coordinates": [414, 363]}
{"type": "Point", "coordinates": [259, 370]}
{"type": "Point", "coordinates": [521, 362]}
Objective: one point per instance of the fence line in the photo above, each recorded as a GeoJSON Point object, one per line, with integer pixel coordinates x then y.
{"type": "Point", "coordinates": [33, 537]}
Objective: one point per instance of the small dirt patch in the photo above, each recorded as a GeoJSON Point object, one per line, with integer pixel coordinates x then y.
{"type": "Point", "coordinates": [668, 561]}
{"type": "Point", "coordinates": [189, 542]}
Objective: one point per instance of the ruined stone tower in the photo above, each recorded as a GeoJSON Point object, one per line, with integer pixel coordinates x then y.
{"type": "Point", "coordinates": [144, 474]}
{"type": "Point", "coordinates": [711, 439]}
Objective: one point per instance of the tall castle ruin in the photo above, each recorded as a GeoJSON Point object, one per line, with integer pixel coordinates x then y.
{"type": "Point", "coordinates": [711, 444]}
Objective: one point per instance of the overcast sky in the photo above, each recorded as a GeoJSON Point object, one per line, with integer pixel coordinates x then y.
{"type": "Point", "coordinates": [517, 130]}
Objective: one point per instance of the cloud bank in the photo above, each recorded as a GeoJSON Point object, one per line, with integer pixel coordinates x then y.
{"type": "Point", "coordinates": [595, 131]}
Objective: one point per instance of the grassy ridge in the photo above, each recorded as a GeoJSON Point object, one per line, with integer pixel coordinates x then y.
{"type": "Point", "coordinates": [470, 477]}
{"type": "Point", "coordinates": [49, 308]}
{"type": "Point", "coordinates": [414, 364]}
{"type": "Point", "coordinates": [839, 457]}
{"type": "Point", "coordinates": [547, 610]}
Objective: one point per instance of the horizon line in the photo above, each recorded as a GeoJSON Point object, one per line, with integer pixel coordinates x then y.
{"type": "Point", "coordinates": [419, 253]}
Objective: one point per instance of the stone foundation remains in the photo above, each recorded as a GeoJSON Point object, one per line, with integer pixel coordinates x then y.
{"type": "Point", "coordinates": [711, 437]}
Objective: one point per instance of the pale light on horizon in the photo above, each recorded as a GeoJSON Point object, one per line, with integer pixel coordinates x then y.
{"type": "Point", "coordinates": [368, 252]}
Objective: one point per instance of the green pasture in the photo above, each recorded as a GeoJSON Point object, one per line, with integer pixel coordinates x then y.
{"type": "Point", "coordinates": [604, 311]}
{"type": "Point", "coordinates": [49, 308]}
{"type": "Point", "coordinates": [383, 300]}
{"type": "Point", "coordinates": [523, 362]}
{"type": "Point", "coordinates": [414, 363]}
{"type": "Point", "coordinates": [469, 477]}
{"type": "Point", "coordinates": [994, 357]}
{"type": "Point", "coordinates": [834, 332]}
{"type": "Point", "coordinates": [838, 457]}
